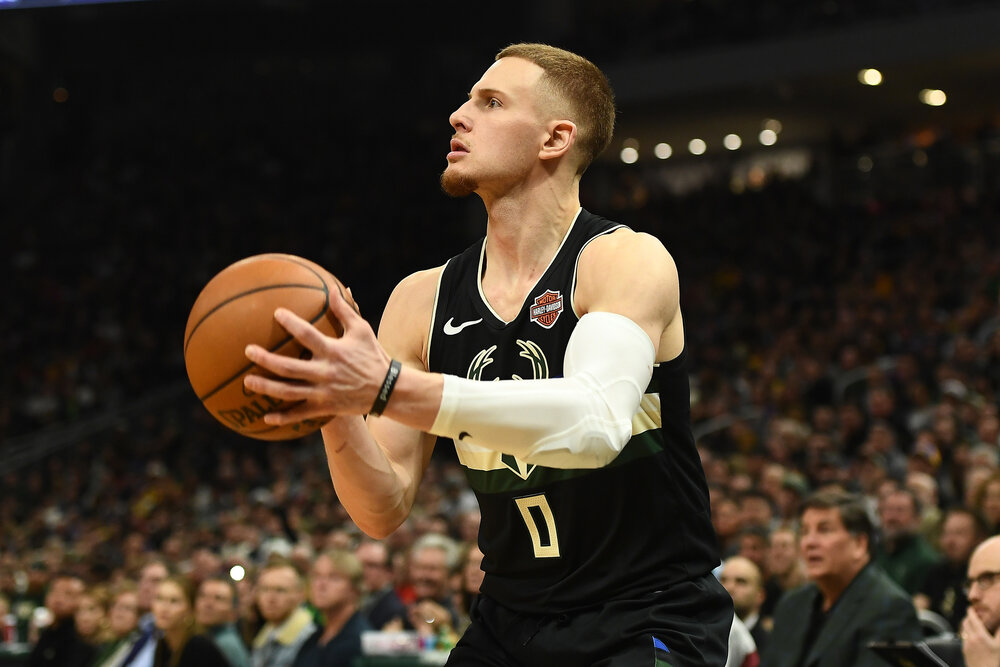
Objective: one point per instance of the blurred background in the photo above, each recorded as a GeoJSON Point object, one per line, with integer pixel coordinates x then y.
{"type": "Point", "coordinates": [824, 172]}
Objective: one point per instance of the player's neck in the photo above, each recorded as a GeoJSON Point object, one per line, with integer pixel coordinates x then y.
{"type": "Point", "coordinates": [524, 233]}
{"type": "Point", "coordinates": [516, 257]}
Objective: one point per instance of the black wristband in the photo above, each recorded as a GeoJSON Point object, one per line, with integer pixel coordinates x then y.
{"type": "Point", "coordinates": [388, 384]}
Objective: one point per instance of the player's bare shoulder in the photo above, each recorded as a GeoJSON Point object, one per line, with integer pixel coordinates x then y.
{"type": "Point", "coordinates": [626, 261]}
{"type": "Point", "coordinates": [406, 320]}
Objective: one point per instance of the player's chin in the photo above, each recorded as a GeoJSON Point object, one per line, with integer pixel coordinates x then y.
{"type": "Point", "coordinates": [455, 184]}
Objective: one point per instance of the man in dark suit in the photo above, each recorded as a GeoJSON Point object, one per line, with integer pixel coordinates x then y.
{"type": "Point", "coordinates": [59, 644]}
{"type": "Point", "coordinates": [848, 602]}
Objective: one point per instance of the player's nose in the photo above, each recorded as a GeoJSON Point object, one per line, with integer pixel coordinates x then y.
{"type": "Point", "coordinates": [459, 118]}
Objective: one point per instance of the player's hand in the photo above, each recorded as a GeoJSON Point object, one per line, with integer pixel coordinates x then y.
{"type": "Point", "coordinates": [980, 647]}
{"type": "Point", "coordinates": [342, 376]}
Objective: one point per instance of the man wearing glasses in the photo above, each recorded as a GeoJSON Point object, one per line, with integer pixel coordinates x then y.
{"type": "Point", "coordinates": [981, 626]}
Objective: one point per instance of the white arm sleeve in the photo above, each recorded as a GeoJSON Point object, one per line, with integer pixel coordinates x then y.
{"type": "Point", "coordinates": [582, 420]}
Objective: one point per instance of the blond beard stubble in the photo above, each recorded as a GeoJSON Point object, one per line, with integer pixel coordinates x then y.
{"type": "Point", "coordinates": [456, 185]}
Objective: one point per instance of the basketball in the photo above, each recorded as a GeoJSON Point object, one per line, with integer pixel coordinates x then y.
{"type": "Point", "coordinates": [236, 308]}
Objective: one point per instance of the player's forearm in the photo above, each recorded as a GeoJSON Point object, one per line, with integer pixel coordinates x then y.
{"type": "Point", "coordinates": [375, 492]}
{"type": "Point", "coordinates": [580, 421]}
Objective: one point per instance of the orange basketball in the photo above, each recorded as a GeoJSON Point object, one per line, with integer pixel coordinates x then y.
{"type": "Point", "coordinates": [236, 308]}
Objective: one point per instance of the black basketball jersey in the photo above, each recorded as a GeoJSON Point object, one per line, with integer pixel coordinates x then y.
{"type": "Point", "coordinates": [556, 539]}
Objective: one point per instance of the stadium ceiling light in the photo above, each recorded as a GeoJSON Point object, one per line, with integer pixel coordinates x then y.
{"type": "Point", "coordinates": [732, 141]}
{"type": "Point", "coordinates": [663, 150]}
{"type": "Point", "coordinates": [697, 146]}
{"type": "Point", "coordinates": [933, 97]}
{"type": "Point", "coordinates": [629, 155]}
{"type": "Point", "coordinates": [870, 76]}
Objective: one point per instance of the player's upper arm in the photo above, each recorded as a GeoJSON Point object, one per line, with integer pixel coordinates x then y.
{"type": "Point", "coordinates": [632, 274]}
{"type": "Point", "coordinates": [403, 332]}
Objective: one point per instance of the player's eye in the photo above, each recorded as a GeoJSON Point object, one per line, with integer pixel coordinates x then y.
{"type": "Point", "coordinates": [493, 103]}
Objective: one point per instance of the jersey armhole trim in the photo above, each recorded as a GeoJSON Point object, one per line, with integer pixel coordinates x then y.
{"type": "Point", "coordinates": [576, 265]}
{"type": "Point", "coordinates": [434, 308]}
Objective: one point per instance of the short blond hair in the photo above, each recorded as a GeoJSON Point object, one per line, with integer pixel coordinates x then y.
{"type": "Point", "coordinates": [583, 86]}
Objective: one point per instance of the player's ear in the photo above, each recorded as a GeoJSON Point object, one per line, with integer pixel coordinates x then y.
{"type": "Point", "coordinates": [561, 137]}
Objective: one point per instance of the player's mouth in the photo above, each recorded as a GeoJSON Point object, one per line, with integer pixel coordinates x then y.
{"type": "Point", "coordinates": [458, 149]}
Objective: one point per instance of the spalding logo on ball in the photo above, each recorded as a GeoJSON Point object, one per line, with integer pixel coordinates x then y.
{"type": "Point", "coordinates": [236, 308]}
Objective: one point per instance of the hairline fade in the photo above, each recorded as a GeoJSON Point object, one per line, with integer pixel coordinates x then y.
{"type": "Point", "coordinates": [582, 85]}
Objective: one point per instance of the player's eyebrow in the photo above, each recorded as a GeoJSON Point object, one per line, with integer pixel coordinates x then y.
{"type": "Point", "coordinates": [484, 92]}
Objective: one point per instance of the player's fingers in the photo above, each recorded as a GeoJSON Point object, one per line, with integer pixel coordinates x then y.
{"type": "Point", "coordinates": [276, 388]}
{"type": "Point", "coordinates": [311, 337]}
{"type": "Point", "coordinates": [352, 300]}
{"type": "Point", "coordinates": [279, 364]}
{"type": "Point", "coordinates": [347, 316]}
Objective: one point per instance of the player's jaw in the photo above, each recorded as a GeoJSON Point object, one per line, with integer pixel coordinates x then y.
{"type": "Point", "coordinates": [454, 182]}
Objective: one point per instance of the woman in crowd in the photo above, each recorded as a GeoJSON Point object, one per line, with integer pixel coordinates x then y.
{"type": "Point", "coordinates": [181, 645]}
{"type": "Point", "coordinates": [91, 615]}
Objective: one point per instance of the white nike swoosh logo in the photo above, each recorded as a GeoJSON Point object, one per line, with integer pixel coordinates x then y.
{"type": "Point", "coordinates": [451, 329]}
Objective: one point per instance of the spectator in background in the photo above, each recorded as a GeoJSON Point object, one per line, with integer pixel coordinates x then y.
{"type": "Point", "coordinates": [248, 620]}
{"type": "Point", "coordinates": [742, 578]}
{"type": "Point", "coordinates": [987, 502]}
{"type": "Point", "coordinates": [433, 558]}
{"type": "Point", "coordinates": [468, 525]}
{"type": "Point", "coordinates": [123, 625]}
{"type": "Point", "coordinates": [469, 580]}
{"type": "Point", "coordinates": [726, 521]}
{"type": "Point", "coordinates": [980, 630]}
{"type": "Point", "coordinates": [91, 615]}
{"type": "Point", "coordinates": [772, 476]}
{"type": "Point", "coordinates": [5, 607]}
{"type": "Point", "coordinates": [179, 645]}
{"type": "Point", "coordinates": [154, 572]}
{"type": "Point", "coordinates": [849, 600]}
{"type": "Point", "coordinates": [977, 644]}
{"type": "Point", "coordinates": [753, 545]}
{"type": "Point", "coordinates": [215, 607]}
{"type": "Point", "coordinates": [380, 602]}
{"type": "Point", "coordinates": [204, 563]}
{"type": "Point", "coordinates": [903, 553]}
{"type": "Point", "coordinates": [942, 591]}
{"type": "Point", "coordinates": [757, 510]}
{"type": "Point", "coordinates": [785, 568]}
{"type": "Point", "coordinates": [335, 585]}
{"type": "Point", "coordinates": [59, 644]}
{"type": "Point", "coordinates": [794, 488]}
{"type": "Point", "coordinates": [926, 491]}
{"type": "Point", "coordinates": [280, 593]}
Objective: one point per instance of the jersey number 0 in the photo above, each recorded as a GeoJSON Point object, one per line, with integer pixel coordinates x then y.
{"type": "Point", "coordinates": [535, 507]}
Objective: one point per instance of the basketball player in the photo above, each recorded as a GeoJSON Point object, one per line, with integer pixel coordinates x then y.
{"type": "Point", "coordinates": [598, 546]}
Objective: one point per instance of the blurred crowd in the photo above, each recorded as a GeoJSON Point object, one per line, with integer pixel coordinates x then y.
{"type": "Point", "coordinates": [655, 28]}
